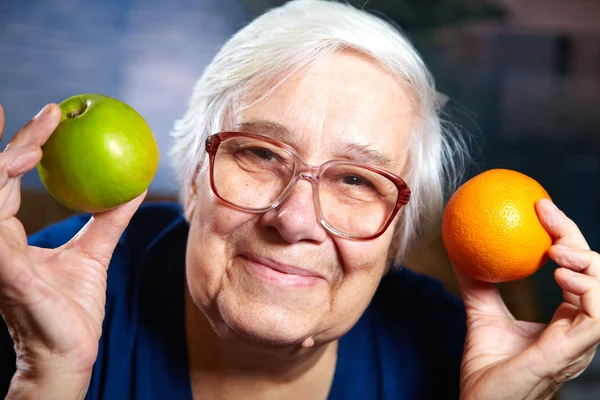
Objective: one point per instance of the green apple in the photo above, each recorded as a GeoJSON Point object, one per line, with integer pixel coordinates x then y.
{"type": "Point", "coordinates": [101, 155]}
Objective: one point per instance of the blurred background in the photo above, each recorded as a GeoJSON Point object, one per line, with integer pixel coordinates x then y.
{"type": "Point", "coordinates": [523, 77]}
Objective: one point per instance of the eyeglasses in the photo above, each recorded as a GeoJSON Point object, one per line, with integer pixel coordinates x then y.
{"type": "Point", "coordinates": [255, 174]}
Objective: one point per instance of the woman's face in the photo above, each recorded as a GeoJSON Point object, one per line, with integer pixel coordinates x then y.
{"type": "Point", "coordinates": [233, 257]}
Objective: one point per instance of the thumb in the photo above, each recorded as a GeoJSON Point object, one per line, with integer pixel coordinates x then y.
{"type": "Point", "coordinates": [99, 237]}
{"type": "Point", "coordinates": [562, 229]}
{"type": "Point", "coordinates": [480, 297]}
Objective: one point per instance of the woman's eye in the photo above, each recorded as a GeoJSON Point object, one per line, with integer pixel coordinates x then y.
{"type": "Point", "coordinates": [355, 180]}
{"type": "Point", "coordinates": [263, 154]}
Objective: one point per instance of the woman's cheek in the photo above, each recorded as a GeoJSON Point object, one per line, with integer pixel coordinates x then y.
{"type": "Point", "coordinates": [214, 217]}
{"type": "Point", "coordinates": [222, 221]}
{"type": "Point", "coordinates": [364, 257]}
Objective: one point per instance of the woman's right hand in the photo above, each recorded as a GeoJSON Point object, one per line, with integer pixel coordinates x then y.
{"type": "Point", "coordinates": [52, 300]}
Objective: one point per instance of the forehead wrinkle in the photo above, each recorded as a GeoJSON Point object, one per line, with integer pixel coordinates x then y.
{"type": "Point", "coordinates": [278, 131]}
{"type": "Point", "coordinates": [364, 153]}
{"type": "Point", "coordinates": [350, 151]}
{"type": "Point", "coordinates": [344, 147]}
{"type": "Point", "coordinates": [268, 128]}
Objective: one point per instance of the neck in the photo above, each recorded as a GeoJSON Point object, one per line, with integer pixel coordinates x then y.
{"type": "Point", "coordinates": [233, 366]}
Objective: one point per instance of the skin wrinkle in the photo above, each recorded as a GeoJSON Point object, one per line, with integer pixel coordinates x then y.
{"type": "Point", "coordinates": [385, 161]}
{"type": "Point", "coordinates": [336, 105]}
{"type": "Point", "coordinates": [365, 153]}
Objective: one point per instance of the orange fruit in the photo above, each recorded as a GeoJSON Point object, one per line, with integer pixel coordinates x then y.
{"type": "Point", "coordinates": [490, 227]}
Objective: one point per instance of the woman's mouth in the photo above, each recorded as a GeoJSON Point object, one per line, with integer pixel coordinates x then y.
{"type": "Point", "coordinates": [282, 274]}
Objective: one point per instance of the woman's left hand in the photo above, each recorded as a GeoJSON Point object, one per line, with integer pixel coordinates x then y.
{"type": "Point", "coordinates": [509, 359]}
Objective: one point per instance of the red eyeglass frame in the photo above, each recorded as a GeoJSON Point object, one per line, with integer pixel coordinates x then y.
{"type": "Point", "coordinates": [213, 142]}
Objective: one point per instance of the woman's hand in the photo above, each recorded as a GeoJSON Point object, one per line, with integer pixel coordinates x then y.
{"type": "Point", "coordinates": [51, 299]}
{"type": "Point", "coordinates": [509, 359]}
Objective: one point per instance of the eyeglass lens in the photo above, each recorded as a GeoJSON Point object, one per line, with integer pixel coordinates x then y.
{"type": "Point", "coordinates": [253, 174]}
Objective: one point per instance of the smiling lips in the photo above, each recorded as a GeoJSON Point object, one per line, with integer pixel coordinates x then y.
{"type": "Point", "coordinates": [282, 274]}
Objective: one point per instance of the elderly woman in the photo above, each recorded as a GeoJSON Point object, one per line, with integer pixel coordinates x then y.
{"type": "Point", "coordinates": [311, 159]}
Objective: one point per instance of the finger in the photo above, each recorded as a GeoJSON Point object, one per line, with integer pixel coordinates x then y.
{"type": "Point", "coordinates": [584, 261]}
{"type": "Point", "coordinates": [17, 161]}
{"type": "Point", "coordinates": [581, 322]}
{"type": "Point", "coordinates": [584, 286]}
{"type": "Point", "coordinates": [37, 131]}
{"type": "Point", "coordinates": [571, 298]}
{"type": "Point", "coordinates": [99, 237]}
{"type": "Point", "coordinates": [562, 229]}
{"type": "Point", "coordinates": [1, 121]}
{"type": "Point", "coordinates": [480, 297]}
{"type": "Point", "coordinates": [15, 275]}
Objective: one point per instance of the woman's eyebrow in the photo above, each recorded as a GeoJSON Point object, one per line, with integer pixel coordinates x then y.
{"type": "Point", "coordinates": [267, 128]}
{"type": "Point", "coordinates": [350, 151]}
{"type": "Point", "coordinates": [366, 154]}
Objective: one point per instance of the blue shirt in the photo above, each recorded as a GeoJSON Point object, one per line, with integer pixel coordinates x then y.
{"type": "Point", "coordinates": [407, 345]}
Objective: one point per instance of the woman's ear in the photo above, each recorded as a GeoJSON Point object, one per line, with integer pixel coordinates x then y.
{"type": "Point", "coordinates": [189, 202]}
{"type": "Point", "coordinates": [191, 196]}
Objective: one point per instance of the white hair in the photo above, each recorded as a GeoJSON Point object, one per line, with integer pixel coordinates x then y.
{"type": "Point", "coordinates": [285, 39]}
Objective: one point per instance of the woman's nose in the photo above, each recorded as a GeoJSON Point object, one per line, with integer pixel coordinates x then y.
{"type": "Point", "coordinates": [295, 218]}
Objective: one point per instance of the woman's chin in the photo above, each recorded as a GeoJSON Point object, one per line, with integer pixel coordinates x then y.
{"type": "Point", "coordinates": [268, 337]}
{"type": "Point", "coordinates": [269, 325]}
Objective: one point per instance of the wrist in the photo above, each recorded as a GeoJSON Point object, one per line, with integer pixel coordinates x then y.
{"type": "Point", "coordinates": [56, 385]}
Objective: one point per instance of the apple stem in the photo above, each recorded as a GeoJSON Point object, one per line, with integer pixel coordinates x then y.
{"type": "Point", "coordinates": [78, 111]}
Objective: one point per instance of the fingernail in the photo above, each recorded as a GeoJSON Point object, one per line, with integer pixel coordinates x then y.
{"type": "Point", "coordinates": [552, 205]}
{"type": "Point", "coordinates": [43, 112]}
{"type": "Point", "coordinates": [569, 272]}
